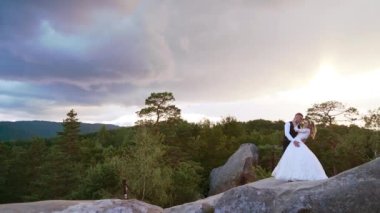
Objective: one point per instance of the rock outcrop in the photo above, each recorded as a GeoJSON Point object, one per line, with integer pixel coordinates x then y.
{"type": "Point", "coordinates": [67, 206]}
{"type": "Point", "coordinates": [237, 171]}
{"type": "Point", "coordinates": [355, 190]}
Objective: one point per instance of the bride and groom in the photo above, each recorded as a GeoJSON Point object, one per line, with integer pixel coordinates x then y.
{"type": "Point", "coordinates": [298, 162]}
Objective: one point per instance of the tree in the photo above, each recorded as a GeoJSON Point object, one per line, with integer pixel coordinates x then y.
{"type": "Point", "coordinates": [159, 108]}
{"type": "Point", "coordinates": [101, 181]}
{"type": "Point", "coordinates": [330, 112]}
{"type": "Point", "coordinates": [187, 179]}
{"type": "Point", "coordinates": [59, 176]}
{"type": "Point", "coordinates": [231, 127]}
{"type": "Point", "coordinates": [372, 119]}
{"type": "Point", "coordinates": [328, 140]}
{"type": "Point", "coordinates": [70, 135]}
{"type": "Point", "coordinates": [62, 170]}
{"type": "Point", "coordinates": [103, 136]}
{"type": "Point", "coordinates": [91, 152]}
{"type": "Point", "coordinates": [146, 172]}
{"type": "Point", "coordinates": [36, 155]}
{"type": "Point", "coordinates": [15, 178]}
{"type": "Point", "coordinates": [4, 168]}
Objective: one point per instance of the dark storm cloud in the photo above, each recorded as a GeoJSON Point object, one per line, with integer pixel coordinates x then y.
{"type": "Point", "coordinates": [78, 42]}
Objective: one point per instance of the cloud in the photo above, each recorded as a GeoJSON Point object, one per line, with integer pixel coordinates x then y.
{"type": "Point", "coordinates": [96, 53]}
{"type": "Point", "coordinates": [242, 49]}
{"type": "Point", "coordinates": [93, 46]}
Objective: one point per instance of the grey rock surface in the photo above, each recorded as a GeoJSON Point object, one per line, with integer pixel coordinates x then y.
{"type": "Point", "coordinates": [355, 190]}
{"type": "Point", "coordinates": [67, 206]}
{"type": "Point", "coordinates": [237, 171]}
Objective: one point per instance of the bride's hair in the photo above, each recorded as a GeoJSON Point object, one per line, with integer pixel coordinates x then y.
{"type": "Point", "coordinates": [313, 129]}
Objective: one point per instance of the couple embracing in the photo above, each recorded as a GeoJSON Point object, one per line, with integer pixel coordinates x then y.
{"type": "Point", "coordinates": [298, 162]}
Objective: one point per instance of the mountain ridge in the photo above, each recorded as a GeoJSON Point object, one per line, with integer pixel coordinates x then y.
{"type": "Point", "coordinates": [26, 130]}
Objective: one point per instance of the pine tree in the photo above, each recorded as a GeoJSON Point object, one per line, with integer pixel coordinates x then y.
{"type": "Point", "coordinates": [62, 169]}
{"type": "Point", "coordinates": [70, 136]}
{"type": "Point", "coordinates": [158, 108]}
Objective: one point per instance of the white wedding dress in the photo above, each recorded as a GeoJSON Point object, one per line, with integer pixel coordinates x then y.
{"type": "Point", "coordinates": [299, 163]}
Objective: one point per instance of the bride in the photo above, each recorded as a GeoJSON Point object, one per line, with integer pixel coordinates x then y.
{"type": "Point", "coordinates": [298, 162]}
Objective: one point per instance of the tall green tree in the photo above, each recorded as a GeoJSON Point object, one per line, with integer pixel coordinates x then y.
{"type": "Point", "coordinates": [147, 173]}
{"type": "Point", "coordinates": [331, 112]}
{"type": "Point", "coordinates": [70, 135]}
{"type": "Point", "coordinates": [158, 108]}
{"type": "Point", "coordinates": [62, 169]}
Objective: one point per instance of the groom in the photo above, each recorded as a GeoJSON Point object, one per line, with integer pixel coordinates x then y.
{"type": "Point", "coordinates": [290, 133]}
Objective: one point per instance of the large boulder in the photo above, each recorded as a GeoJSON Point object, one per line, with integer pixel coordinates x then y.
{"type": "Point", "coordinates": [68, 206]}
{"type": "Point", "coordinates": [355, 190]}
{"type": "Point", "coordinates": [237, 171]}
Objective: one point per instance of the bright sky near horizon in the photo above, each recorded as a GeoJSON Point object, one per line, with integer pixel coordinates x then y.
{"type": "Point", "coordinates": [249, 59]}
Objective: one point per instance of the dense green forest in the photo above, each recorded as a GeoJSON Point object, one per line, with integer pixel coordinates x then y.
{"type": "Point", "coordinates": [164, 159]}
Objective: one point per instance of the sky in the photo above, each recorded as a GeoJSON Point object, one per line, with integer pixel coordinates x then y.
{"type": "Point", "coordinates": [250, 59]}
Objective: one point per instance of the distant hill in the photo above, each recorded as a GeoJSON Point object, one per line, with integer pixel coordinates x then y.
{"type": "Point", "coordinates": [24, 130]}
